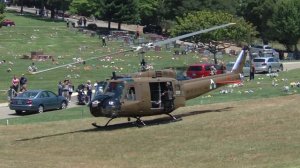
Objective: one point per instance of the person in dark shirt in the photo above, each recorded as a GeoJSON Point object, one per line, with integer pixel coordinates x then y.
{"type": "Point", "coordinates": [168, 98]}
{"type": "Point", "coordinates": [103, 41]}
{"type": "Point", "coordinates": [60, 88]}
{"type": "Point", "coordinates": [89, 89]}
{"type": "Point", "coordinates": [23, 83]}
{"type": "Point", "coordinates": [252, 72]}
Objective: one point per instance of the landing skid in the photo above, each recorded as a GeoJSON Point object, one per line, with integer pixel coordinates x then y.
{"type": "Point", "coordinates": [96, 125]}
{"type": "Point", "coordinates": [174, 118]}
{"type": "Point", "coordinates": [99, 126]}
{"type": "Point", "coordinates": [139, 123]}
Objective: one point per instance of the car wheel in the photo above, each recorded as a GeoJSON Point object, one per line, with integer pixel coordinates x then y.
{"type": "Point", "coordinates": [41, 109]}
{"type": "Point", "coordinates": [270, 70]}
{"type": "Point", "coordinates": [19, 112]}
{"type": "Point", "coordinates": [63, 105]}
{"type": "Point", "coordinates": [8, 25]}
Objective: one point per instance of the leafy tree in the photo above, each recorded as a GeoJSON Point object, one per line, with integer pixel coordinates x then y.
{"type": "Point", "coordinates": [241, 32]}
{"type": "Point", "coordinates": [258, 12]}
{"type": "Point", "coordinates": [82, 7]}
{"type": "Point", "coordinates": [148, 10]}
{"type": "Point", "coordinates": [117, 11]}
{"type": "Point", "coordinates": [164, 12]}
{"type": "Point", "coordinates": [285, 23]}
{"type": "Point", "coordinates": [129, 12]}
{"type": "Point", "coordinates": [2, 7]}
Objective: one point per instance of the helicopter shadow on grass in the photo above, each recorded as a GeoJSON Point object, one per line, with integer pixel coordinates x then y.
{"type": "Point", "coordinates": [151, 122]}
{"type": "Point", "coordinates": [160, 120]}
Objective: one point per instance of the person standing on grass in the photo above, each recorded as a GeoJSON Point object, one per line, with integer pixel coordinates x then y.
{"type": "Point", "coordinates": [89, 89]}
{"type": "Point", "coordinates": [15, 84]}
{"type": "Point", "coordinates": [60, 88]}
{"type": "Point", "coordinates": [71, 89]}
{"type": "Point", "coordinates": [252, 72]}
{"type": "Point", "coordinates": [84, 21]}
{"type": "Point", "coordinates": [68, 23]}
{"type": "Point", "coordinates": [23, 83]}
{"type": "Point", "coordinates": [103, 41]}
{"type": "Point", "coordinates": [66, 89]}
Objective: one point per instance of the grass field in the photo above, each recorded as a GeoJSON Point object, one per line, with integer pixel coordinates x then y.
{"type": "Point", "coordinates": [256, 125]}
{"type": "Point", "coordinates": [251, 133]}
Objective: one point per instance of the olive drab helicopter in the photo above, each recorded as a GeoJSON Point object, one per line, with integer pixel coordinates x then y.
{"type": "Point", "coordinates": [149, 93]}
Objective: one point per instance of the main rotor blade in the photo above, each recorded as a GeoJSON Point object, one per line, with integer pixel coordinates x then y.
{"type": "Point", "coordinates": [60, 66]}
{"type": "Point", "coordinates": [160, 43]}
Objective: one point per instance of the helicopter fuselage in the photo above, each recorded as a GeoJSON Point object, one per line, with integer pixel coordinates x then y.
{"type": "Point", "coordinates": [145, 93]}
{"type": "Point", "coordinates": [144, 96]}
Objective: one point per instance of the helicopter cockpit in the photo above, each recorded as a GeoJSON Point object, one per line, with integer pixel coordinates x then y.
{"type": "Point", "coordinates": [114, 89]}
{"type": "Point", "coordinates": [108, 102]}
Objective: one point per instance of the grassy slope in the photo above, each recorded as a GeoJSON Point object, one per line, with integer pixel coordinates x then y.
{"type": "Point", "coordinates": [237, 134]}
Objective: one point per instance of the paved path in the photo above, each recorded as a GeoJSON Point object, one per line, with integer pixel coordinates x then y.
{"type": "Point", "coordinates": [291, 65]}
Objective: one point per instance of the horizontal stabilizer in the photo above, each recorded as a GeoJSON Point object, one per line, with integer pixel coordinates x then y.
{"type": "Point", "coordinates": [229, 82]}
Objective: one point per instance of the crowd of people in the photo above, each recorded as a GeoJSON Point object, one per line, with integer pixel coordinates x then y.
{"type": "Point", "coordinates": [66, 89]}
{"type": "Point", "coordinates": [18, 85]}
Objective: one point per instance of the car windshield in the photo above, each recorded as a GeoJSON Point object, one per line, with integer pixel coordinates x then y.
{"type": "Point", "coordinates": [115, 88]}
{"type": "Point", "coordinates": [28, 94]}
{"type": "Point", "coordinates": [259, 60]}
{"type": "Point", "coordinates": [267, 47]}
{"type": "Point", "coordinates": [195, 68]}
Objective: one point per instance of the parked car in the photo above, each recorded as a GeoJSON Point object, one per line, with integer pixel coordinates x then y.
{"type": "Point", "coordinates": [263, 51]}
{"type": "Point", "coordinates": [7, 2]}
{"type": "Point", "coordinates": [267, 64]}
{"type": "Point", "coordinates": [203, 70]}
{"type": "Point", "coordinates": [8, 22]}
{"type": "Point", "coordinates": [246, 68]}
{"type": "Point", "coordinates": [152, 29]}
{"type": "Point", "coordinates": [63, 14]}
{"type": "Point", "coordinates": [37, 101]}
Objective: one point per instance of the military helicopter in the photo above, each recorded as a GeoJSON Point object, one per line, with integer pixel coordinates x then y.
{"type": "Point", "coordinates": [149, 93]}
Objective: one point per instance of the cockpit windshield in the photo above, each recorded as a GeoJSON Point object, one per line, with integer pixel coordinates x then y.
{"type": "Point", "coordinates": [99, 88]}
{"type": "Point", "coordinates": [115, 89]}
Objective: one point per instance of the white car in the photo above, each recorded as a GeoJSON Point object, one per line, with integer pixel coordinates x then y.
{"type": "Point", "coordinates": [263, 51]}
{"type": "Point", "coordinates": [267, 64]}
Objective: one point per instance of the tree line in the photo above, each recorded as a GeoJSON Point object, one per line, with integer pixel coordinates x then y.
{"type": "Point", "coordinates": [271, 20]}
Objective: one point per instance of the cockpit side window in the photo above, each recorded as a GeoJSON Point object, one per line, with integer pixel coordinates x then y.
{"type": "Point", "coordinates": [115, 88]}
{"type": "Point", "coordinates": [130, 94]}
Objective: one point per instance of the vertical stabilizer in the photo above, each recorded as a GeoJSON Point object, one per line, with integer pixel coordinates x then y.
{"type": "Point", "coordinates": [239, 63]}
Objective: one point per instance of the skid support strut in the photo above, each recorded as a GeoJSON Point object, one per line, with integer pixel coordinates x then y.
{"type": "Point", "coordinates": [98, 126]}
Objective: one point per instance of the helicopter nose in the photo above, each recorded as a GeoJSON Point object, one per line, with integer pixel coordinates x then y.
{"type": "Point", "coordinates": [109, 107]}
